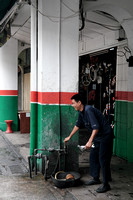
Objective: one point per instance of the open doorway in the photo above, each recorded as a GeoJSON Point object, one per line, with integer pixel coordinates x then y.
{"type": "Point", "coordinates": [24, 91]}
{"type": "Point", "coordinates": [97, 78]}
{"type": "Point", "coordinates": [97, 83]}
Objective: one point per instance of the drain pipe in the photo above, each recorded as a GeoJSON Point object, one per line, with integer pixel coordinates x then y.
{"type": "Point", "coordinates": [34, 121]}
{"type": "Point", "coordinates": [32, 160]}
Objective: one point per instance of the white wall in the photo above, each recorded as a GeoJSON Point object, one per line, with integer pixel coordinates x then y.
{"type": "Point", "coordinates": [122, 69]}
{"type": "Point", "coordinates": [34, 61]}
{"type": "Point", "coordinates": [69, 48]}
{"type": "Point", "coordinates": [109, 39]}
{"type": "Point", "coordinates": [9, 65]}
{"type": "Point", "coordinates": [58, 47]}
{"type": "Point", "coordinates": [122, 13]}
{"type": "Point", "coordinates": [48, 47]}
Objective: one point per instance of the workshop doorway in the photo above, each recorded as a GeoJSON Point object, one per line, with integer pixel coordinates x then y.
{"type": "Point", "coordinates": [97, 83]}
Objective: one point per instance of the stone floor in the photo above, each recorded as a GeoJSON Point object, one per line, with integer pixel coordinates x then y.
{"type": "Point", "coordinates": [17, 185]}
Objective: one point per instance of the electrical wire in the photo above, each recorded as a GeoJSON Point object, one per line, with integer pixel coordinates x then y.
{"type": "Point", "coordinates": [49, 17]}
{"type": "Point", "coordinates": [55, 17]}
{"type": "Point", "coordinates": [122, 54]}
{"type": "Point", "coordinates": [127, 50]}
{"type": "Point", "coordinates": [103, 25]}
{"type": "Point", "coordinates": [82, 16]}
{"type": "Point", "coordinates": [68, 7]}
{"type": "Point", "coordinates": [105, 15]}
{"type": "Point", "coordinates": [21, 26]}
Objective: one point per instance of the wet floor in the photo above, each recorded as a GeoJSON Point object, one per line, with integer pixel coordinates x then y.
{"type": "Point", "coordinates": [15, 181]}
{"type": "Point", "coordinates": [17, 185]}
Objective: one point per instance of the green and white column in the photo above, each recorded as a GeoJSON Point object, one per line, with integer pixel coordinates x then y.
{"type": "Point", "coordinates": [8, 84]}
{"type": "Point", "coordinates": [123, 142]}
{"type": "Point", "coordinates": [54, 76]}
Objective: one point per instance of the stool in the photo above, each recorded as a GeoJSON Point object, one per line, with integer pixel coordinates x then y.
{"type": "Point", "coordinates": [9, 130]}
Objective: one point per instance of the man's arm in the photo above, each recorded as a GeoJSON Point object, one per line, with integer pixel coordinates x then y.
{"type": "Point", "coordinates": [75, 129]}
{"type": "Point", "coordinates": [89, 143]}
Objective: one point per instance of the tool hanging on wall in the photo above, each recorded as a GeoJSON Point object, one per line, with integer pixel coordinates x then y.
{"type": "Point", "coordinates": [93, 73]}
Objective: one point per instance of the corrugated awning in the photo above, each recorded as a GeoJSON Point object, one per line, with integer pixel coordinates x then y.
{"type": "Point", "coordinates": [5, 6]}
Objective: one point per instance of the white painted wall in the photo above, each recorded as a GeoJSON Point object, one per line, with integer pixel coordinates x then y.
{"type": "Point", "coordinates": [48, 46]}
{"type": "Point", "coordinates": [109, 39]}
{"type": "Point", "coordinates": [34, 60]}
{"type": "Point", "coordinates": [9, 65]}
{"type": "Point", "coordinates": [69, 48]}
{"type": "Point", "coordinates": [58, 47]}
{"type": "Point", "coordinates": [122, 69]}
{"type": "Point", "coordinates": [122, 12]}
{"type": "Point", "coordinates": [123, 4]}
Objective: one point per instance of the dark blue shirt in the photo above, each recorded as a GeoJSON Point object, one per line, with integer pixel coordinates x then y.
{"type": "Point", "coordinates": [93, 119]}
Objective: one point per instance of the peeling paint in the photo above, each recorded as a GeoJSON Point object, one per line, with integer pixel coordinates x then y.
{"type": "Point", "coordinates": [54, 124]}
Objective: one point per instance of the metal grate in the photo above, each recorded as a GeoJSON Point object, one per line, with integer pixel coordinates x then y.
{"type": "Point", "coordinates": [11, 162]}
{"type": "Point", "coordinates": [16, 169]}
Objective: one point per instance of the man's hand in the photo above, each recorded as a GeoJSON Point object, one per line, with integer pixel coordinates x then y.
{"type": "Point", "coordinates": [75, 129]}
{"type": "Point", "coordinates": [67, 139]}
{"type": "Point", "coordinates": [88, 145]}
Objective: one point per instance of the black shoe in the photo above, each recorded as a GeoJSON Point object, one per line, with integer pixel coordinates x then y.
{"type": "Point", "coordinates": [103, 188]}
{"type": "Point", "coordinates": [92, 182]}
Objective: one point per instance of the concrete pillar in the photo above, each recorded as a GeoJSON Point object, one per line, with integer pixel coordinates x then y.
{"type": "Point", "coordinates": [34, 76]}
{"type": "Point", "coordinates": [54, 74]}
{"type": "Point", "coordinates": [8, 84]}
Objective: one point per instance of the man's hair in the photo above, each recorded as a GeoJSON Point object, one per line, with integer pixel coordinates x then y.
{"type": "Point", "coordinates": [77, 98]}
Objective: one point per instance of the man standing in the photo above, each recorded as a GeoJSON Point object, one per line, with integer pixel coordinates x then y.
{"type": "Point", "coordinates": [100, 141]}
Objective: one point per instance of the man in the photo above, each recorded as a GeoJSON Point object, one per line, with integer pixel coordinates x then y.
{"type": "Point", "coordinates": [100, 141]}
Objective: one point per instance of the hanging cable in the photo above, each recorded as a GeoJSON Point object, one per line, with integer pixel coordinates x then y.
{"type": "Point", "coordinates": [82, 15]}
{"type": "Point", "coordinates": [105, 15]}
{"type": "Point", "coordinates": [57, 19]}
{"type": "Point", "coordinates": [105, 25]}
{"type": "Point", "coordinates": [122, 53]}
{"type": "Point", "coordinates": [21, 26]}
{"type": "Point", "coordinates": [127, 50]}
{"type": "Point", "coordinates": [68, 7]}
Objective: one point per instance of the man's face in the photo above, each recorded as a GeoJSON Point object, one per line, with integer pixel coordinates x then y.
{"type": "Point", "coordinates": [76, 105]}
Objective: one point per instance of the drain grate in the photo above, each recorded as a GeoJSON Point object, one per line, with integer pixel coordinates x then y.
{"type": "Point", "coordinates": [16, 169]}
{"type": "Point", "coordinates": [11, 162]}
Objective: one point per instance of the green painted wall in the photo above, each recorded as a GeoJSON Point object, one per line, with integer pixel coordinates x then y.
{"type": "Point", "coordinates": [123, 130]}
{"type": "Point", "coordinates": [130, 132]}
{"type": "Point", "coordinates": [68, 119]}
{"type": "Point", "coordinates": [50, 124]}
{"type": "Point", "coordinates": [33, 128]}
{"type": "Point", "coordinates": [8, 111]}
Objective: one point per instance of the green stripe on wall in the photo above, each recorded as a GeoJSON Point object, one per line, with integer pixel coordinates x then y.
{"type": "Point", "coordinates": [123, 130]}
{"type": "Point", "coordinates": [130, 132]}
{"type": "Point", "coordinates": [8, 111]}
